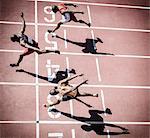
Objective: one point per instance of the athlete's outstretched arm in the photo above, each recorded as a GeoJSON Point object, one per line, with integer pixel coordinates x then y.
{"type": "Point", "coordinates": [70, 78]}
{"type": "Point", "coordinates": [54, 103]}
{"type": "Point", "coordinates": [23, 24]}
{"type": "Point", "coordinates": [70, 4]}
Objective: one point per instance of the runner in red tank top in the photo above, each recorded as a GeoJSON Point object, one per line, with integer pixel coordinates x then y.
{"type": "Point", "coordinates": [67, 15]}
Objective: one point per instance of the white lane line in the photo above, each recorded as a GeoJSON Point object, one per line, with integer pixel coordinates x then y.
{"type": "Point", "coordinates": [17, 83]}
{"type": "Point", "coordinates": [17, 122]}
{"type": "Point", "coordinates": [82, 54]}
{"type": "Point", "coordinates": [36, 71]}
{"type": "Point", "coordinates": [92, 122]}
{"type": "Point", "coordinates": [15, 23]}
{"type": "Point", "coordinates": [74, 122]}
{"type": "Point", "coordinates": [89, 14]}
{"type": "Point", "coordinates": [74, 26]}
{"type": "Point", "coordinates": [15, 51]}
{"type": "Point", "coordinates": [100, 28]}
{"type": "Point", "coordinates": [104, 109]}
{"type": "Point", "coordinates": [88, 86]}
{"type": "Point", "coordinates": [97, 62]}
{"type": "Point", "coordinates": [73, 133]}
{"type": "Point", "coordinates": [98, 70]}
{"type": "Point", "coordinates": [70, 101]}
{"type": "Point", "coordinates": [93, 37]}
{"type": "Point", "coordinates": [103, 102]}
{"type": "Point", "coordinates": [65, 37]}
{"type": "Point", "coordinates": [99, 4]}
{"type": "Point", "coordinates": [108, 134]}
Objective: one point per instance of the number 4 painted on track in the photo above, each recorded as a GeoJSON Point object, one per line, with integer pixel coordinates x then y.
{"type": "Point", "coordinates": [51, 70]}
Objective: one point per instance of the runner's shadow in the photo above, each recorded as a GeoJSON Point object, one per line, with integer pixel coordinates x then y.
{"type": "Point", "coordinates": [89, 45]}
{"type": "Point", "coordinates": [95, 122]}
{"type": "Point", "coordinates": [60, 75]}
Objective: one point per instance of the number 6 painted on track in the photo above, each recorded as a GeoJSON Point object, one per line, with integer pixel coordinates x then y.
{"type": "Point", "coordinates": [56, 115]}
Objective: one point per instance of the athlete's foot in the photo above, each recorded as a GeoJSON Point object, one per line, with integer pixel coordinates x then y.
{"type": "Point", "coordinates": [95, 95]}
{"type": "Point", "coordinates": [125, 131]}
{"type": "Point", "coordinates": [72, 71]}
{"type": "Point", "coordinates": [53, 34]}
{"type": "Point", "coordinates": [108, 111]}
{"type": "Point", "coordinates": [19, 70]}
{"type": "Point", "coordinates": [50, 31]}
{"type": "Point", "coordinates": [89, 24]}
{"type": "Point", "coordinates": [86, 82]}
{"type": "Point", "coordinates": [99, 40]}
{"type": "Point", "coordinates": [44, 105]}
{"type": "Point", "coordinates": [57, 51]}
{"type": "Point", "coordinates": [54, 110]}
{"type": "Point", "coordinates": [14, 65]}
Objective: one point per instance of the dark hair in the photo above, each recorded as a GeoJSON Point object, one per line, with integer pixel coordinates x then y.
{"type": "Point", "coordinates": [14, 38]}
{"type": "Point", "coordinates": [53, 92]}
{"type": "Point", "coordinates": [55, 8]}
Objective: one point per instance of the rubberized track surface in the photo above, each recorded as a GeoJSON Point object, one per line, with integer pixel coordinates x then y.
{"type": "Point", "coordinates": [122, 80]}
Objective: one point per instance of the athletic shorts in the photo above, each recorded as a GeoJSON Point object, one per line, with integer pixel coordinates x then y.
{"type": "Point", "coordinates": [66, 17]}
{"type": "Point", "coordinates": [28, 51]}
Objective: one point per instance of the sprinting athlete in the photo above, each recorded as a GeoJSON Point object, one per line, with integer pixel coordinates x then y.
{"type": "Point", "coordinates": [28, 43]}
{"type": "Point", "coordinates": [66, 91]}
{"type": "Point", "coordinates": [67, 15]}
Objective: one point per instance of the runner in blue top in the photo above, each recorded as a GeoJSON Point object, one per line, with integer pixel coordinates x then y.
{"type": "Point", "coordinates": [67, 15]}
{"type": "Point", "coordinates": [28, 43]}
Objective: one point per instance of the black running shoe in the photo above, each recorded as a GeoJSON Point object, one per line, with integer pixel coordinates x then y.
{"type": "Point", "coordinates": [57, 51]}
{"type": "Point", "coordinates": [89, 24]}
{"type": "Point", "coordinates": [72, 71]}
{"type": "Point", "coordinates": [50, 31]}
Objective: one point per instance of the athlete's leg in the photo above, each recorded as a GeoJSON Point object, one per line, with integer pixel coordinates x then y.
{"type": "Point", "coordinates": [65, 19]}
{"type": "Point", "coordinates": [47, 51]}
{"type": "Point", "coordinates": [54, 103]}
{"type": "Point", "coordinates": [76, 87]}
{"type": "Point", "coordinates": [73, 18]}
{"type": "Point", "coordinates": [27, 52]}
{"type": "Point", "coordinates": [57, 27]}
{"type": "Point", "coordinates": [35, 44]}
{"type": "Point", "coordinates": [88, 94]}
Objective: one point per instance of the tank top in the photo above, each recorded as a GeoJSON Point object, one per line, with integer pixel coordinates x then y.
{"type": "Point", "coordinates": [26, 39]}
{"type": "Point", "coordinates": [62, 8]}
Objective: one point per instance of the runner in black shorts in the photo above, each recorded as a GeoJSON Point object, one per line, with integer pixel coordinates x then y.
{"type": "Point", "coordinates": [65, 91]}
{"type": "Point", "coordinates": [28, 43]}
{"type": "Point", "coordinates": [67, 15]}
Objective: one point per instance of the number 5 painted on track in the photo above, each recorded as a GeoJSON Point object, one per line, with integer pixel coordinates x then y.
{"type": "Point", "coordinates": [50, 13]}
{"type": "Point", "coordinates": [53, 44]}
